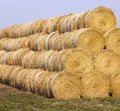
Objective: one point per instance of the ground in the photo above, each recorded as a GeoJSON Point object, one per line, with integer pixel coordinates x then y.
{"type": "Point", "coordinates": [12, 99]}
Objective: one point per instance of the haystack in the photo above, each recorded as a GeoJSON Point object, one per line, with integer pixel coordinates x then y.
{"type": "Point", "coordinates": [101, 18]}
{"type": "Point", "coordinates": [112, 40]}
{"type": "Point", "coordinates": [50, 24]}
{"type": "Point", "coordinates": [13, 74]}
{"type": "Point", "coordinates": [2, 52]}
{"type": "Point", "coordinates": [29, 60]}
{"type": "Point", "coordinates": [19, 78]}
{"type": "Point", "coordinates": [20, 54]}
{"type": "Point", "coordinates": [115, 85]}
{"type": "Point", "coordinates": [107, 62]}
{"type": "Point", "coordinates": [36, 26]}
{"type": "Point", "coordinates": [3, 68]}
{"type": "Point", "coordinates": [65, 86]}
{"type": "Point", "coordinates": [95, 84]}
{"type": "Point", "coordinates": [89, 39]}
{"type": "Point", "coordinates": [78, 61]}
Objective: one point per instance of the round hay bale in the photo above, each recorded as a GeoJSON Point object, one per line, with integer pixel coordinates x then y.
{"type": "Point", "coordinates": [9, 58]}
{"type": "Point", "coordinates": [27, 28]}
{"type": "Point", "coordinates": [50, 63]}
{"type": "Point", "coordinates": [32, 80]}
{"type": "Point", "coordinates": [3, 43]}
{"type": "Point", "coordinates": [64, 26]}
{"type": "Point", "coordinates": [9, 45]}
{"type": "Point", "coordinates": [24, 79]}
{"type": "Point", "coordinates": [3, 32]}
{"type": "Point", "coordinates": [48, 78]}
{"type": "Point", "coordinates": [2, 52]}
{"type": "Point", "coordinates": [43, 25]}
{"type": "Point", "coordinates": [112, 40]}
{"type": "Point", "coordinates": [48, 39]}
{"type": "Point", "coordinates": [101, 18]}
{"type": "Point", "coordinates": [12, 29]}
{"type": "Point", "coordinates": [39, 83]}
{"type": "Point", "coordinates": [84, 39]}
{"type": "Point", "coordinates": [19, 78]}
{"type": "Point", "coordinates": [13, 74]}
{"type": "Point", "coordinates": [9, 29]}
{"type": "Point", "coordinates": [16, 31]}
{"type": "Point", "coordinates": [38, 59]}
{"type": "Point", "coordinates": [36, 76]}
{"type": "Point", "coordinates": [46, 58]}
{"type": "Point", "coordinates": [5, 58]}
{"type": "Point", "coordinates": [20, 43]}
{"type": "Point", "coordinates": [62, 30]}
{"type": "Point", "coordinates": [78, 61]}
{"type": "Point", "coordinates": [115, 85]}
{"type": "Point", "coordinates": [38, 80]}
{"type": "Point", "coordinates": [32, 43]}
{"type": "Point", "coordinates": [20, 55]}
{"type": "Point", "coordinates": [72, 23]}
{"type": "Point", "coordinates": [65, 86]}
{"type": "Point", "coordinates": [23, 42]}
{"type": "Point", "coordinates": [36, 26]}
{"type": "Point", "coordinates": [95, 84]}
{"type": "Point", "coordinates": [50, 26]}
{"type": "Point", "coordinates": [81, 19]}
{"type": "Point", "coordinates": [27, 80]}
{"type": "Point", "coordinates": [42, 82]}
{"type": "Point", "coordinates": [57, 66]}
{"type": "Point", "coordinates": [41, 42]}
{"type": "Point", "coordinates": [64, 44]}
{"type": "Point", "coordinates": [56, 24]}
{"type": "Point", "coordinates": [6, 74]}
{"type": "Point", "coordinates": [107, 62]}
{"type": "Point", "coordinates": [28, 60]}
{"type": "Point", "coordinates": [2, 70]}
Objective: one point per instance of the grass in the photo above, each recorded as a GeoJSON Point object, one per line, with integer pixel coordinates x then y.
{"type": "Point", "coordinates": [12, 99]}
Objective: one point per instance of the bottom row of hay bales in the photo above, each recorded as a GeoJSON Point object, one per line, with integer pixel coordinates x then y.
{"type": "Point", "coordinates": [60, 84]}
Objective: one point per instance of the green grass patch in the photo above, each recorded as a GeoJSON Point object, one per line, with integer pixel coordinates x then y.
{"type": "Point", "coordinates": [12, 99]}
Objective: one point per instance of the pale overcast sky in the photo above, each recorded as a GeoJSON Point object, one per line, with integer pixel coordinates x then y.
{"type": "Point", "coordinates": [21, 11]}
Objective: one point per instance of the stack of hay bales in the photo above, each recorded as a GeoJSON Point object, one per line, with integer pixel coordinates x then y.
{"type": "Point", "coordinates": [70, 56]}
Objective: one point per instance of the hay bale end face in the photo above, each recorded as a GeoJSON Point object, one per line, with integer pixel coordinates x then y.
{"type": "Point", "coordinates": [95, 84]}
{"type": "Point", "coordinates": [90, 39]}
{"type": "Point", "coordinates": [101, 18]}
{"type": "Point", "coordinates": [115, 85]}
{"type": "Point", "coordinates": [63, 57]}
{"type": "Point", "coordinates": [107, 62]}
{"type": "Point", "coordinates": [112, 40]}
{"type": "Point", "coordinates": [78, 61]}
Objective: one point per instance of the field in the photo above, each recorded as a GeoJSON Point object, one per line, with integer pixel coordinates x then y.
{"type": "Point", "coordinates": [12, 99]}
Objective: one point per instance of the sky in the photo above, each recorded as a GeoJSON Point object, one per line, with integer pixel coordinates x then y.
{"type": "Point", "coordinates": [22, 11]}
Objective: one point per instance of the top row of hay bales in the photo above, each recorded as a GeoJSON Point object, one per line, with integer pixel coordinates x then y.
{"type": "Point", "coordinates": [87, 38]}
{"type": "Point", "coordinates": [100, 18]}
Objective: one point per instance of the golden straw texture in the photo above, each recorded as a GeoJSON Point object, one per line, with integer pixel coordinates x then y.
{"type": "Point", "coordinates": [95, 84]}
{"type": "Point", "coordinates": [107, 62]}
{"type": "Point", "coordinates": [112, 40]}
{"type": "Point", "coordinates": [115, 85]}
{"type": "Point", "coordinates": [101, 18]}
